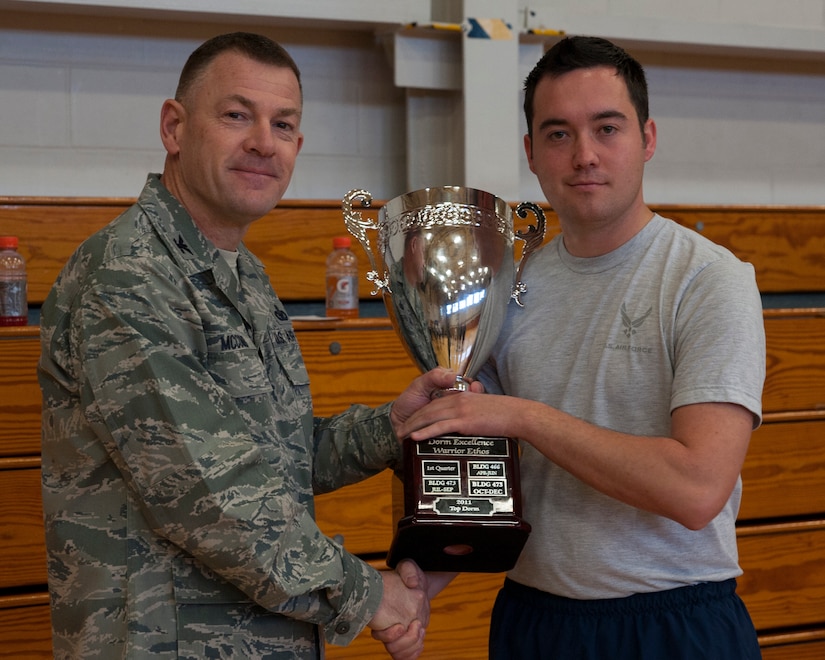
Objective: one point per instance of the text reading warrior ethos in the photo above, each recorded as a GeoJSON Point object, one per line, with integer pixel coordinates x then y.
{"type": "Point", "coordinates": [463, 446]}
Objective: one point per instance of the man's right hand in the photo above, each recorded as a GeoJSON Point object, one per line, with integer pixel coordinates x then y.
{"type": "Point", "coordinates": [404, 612]}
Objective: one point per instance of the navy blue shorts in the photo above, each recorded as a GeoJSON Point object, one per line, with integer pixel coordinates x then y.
{"type": "Point", "coordinates": [703, 622]}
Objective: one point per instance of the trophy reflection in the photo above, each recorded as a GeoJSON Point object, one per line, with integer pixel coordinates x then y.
{"type": "Point", "coordinates": [447, 273]}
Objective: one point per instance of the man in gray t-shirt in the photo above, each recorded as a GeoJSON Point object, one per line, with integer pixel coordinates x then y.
{"type": "Point", "coordinates": [633, 379]}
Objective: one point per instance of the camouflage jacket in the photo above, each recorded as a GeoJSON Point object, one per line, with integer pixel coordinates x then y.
{"type": "Point", "coordinates": [180, 456]}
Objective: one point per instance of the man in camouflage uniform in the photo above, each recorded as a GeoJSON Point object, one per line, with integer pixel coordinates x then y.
{"type": "Point", "coordinates": [180, 453]}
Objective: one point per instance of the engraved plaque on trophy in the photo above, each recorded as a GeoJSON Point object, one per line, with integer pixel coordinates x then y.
{"type": "Point", "coordinates": [446, 267]}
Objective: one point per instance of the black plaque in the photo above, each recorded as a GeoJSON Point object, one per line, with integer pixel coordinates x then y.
{"type": "Point", "coordinates": [458, 505]}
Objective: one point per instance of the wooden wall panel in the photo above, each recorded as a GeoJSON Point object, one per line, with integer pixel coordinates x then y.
{"type": "Point", "coordinates": [367, 366]}
{"type": "Point", "coordinates": [361, 515]}
{"type": "Point", "coordinates": [783, 584]}
{"type": "Point", "coordinates": [19, 394]}
{"type": "Point", "coordinates": [23, 546]}
{"type": "Point", "coordinates": [785, 244]}
{"type": "Point", "coordinates": [784, 471]}
{"type": "Point", "coordinates": [795, 378]}
{"type": "Point", "coordinates": [797, 651]}
{"type": "Point", "coordinates": [25, 628]}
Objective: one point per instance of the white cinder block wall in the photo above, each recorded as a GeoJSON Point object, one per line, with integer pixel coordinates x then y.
{"type": "Point", "coordinates": [733, 136]}
{"type": "Point", "coordinates": [80, 99]}
{"type": "Point", "coordinates": [82, 107]}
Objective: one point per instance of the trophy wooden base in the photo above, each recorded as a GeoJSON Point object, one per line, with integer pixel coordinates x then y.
{"type": "Point", "coordinates": [461, 505]}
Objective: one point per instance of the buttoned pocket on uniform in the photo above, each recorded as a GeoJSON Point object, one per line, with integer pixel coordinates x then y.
{"type": "Point", "coordinates": [239, 371]}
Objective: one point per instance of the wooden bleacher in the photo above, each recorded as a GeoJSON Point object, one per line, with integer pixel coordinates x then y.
{"type": "Point", "coordinates": [781, 527]}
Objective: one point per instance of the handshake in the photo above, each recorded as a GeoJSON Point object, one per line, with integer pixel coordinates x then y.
{"type": "Point", "coordinates": [404, 612]}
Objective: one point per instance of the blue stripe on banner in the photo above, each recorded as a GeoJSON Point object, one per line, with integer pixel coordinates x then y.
{"type": "Point", "coordinates": [488, 28]}
{"type": "Point", "coordinates": [476, 31]}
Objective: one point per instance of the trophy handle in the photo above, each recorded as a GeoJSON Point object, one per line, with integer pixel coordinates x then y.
{"type": "Point", "coordinates": [358, 226]}
{"type": "Point", "coordinates": [533, 238]}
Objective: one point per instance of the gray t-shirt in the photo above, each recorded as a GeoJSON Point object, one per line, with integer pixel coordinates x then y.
{"type": "Point", "coordinates": [621, 340]}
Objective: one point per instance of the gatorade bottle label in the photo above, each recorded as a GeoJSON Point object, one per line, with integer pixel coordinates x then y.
{"type": "Point", "coordinates": [341, 293]}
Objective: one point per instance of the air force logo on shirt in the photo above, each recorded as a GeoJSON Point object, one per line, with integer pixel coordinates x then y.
{"type": "Point", "coordinates": [630, 326]}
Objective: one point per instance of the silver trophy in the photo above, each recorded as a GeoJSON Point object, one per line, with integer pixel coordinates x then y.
{"type": "Point", "coordinates": [446, 267]}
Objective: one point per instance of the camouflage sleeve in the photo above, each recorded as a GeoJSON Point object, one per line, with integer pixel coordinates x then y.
{"type": "Point", "coordinates": [213, 476]}
{"type": "Point", "coordinates": [353, 446]}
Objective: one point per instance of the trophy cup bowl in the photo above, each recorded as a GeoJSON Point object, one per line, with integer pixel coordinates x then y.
{"type": "Point", "coordinates": [447, 272]}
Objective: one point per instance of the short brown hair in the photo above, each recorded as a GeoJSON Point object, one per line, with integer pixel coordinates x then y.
{"type": "Point", "coordinates": [255, 46]}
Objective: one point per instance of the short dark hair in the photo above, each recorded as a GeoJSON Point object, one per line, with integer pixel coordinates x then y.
{"type": "Point", "coordinates": [255, 46]}
{"type": "Point", "coordinates": [572, 53]}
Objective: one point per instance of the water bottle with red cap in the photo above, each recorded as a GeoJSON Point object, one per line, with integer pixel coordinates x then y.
{"type": "Point", "coordinates": [342, 280]}
{"type": "Point", "coordinates": [14, 309]}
